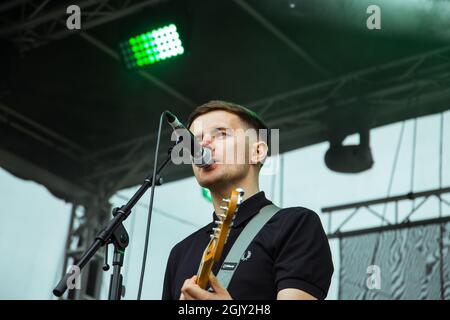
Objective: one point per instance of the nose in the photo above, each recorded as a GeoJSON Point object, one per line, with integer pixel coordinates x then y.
{"type": "Point", "coordinates": [206, 141]}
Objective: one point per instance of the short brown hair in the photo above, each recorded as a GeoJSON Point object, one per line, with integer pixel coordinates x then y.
{"type": "Point", "coordinates": [246, 115]}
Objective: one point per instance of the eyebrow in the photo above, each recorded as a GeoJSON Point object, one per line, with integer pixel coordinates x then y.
{"type": "Point", "coordinates": [218, 129]}
{"type": "Point", "coordinates": [221, 129]}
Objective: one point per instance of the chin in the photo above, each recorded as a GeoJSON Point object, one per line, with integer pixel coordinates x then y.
{"type": "Point", "coordinates": [210, 176]}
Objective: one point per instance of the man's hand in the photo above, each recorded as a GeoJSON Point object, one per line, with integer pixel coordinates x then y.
{"type": "Point", "coordinates": [191, 291]}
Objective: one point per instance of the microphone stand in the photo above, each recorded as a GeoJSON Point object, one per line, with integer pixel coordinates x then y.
{"type": "Point", "coordinates": [114, 232]}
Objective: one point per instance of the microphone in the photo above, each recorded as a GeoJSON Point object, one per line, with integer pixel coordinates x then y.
{"type": "Point", "coordinates": [202, 157]}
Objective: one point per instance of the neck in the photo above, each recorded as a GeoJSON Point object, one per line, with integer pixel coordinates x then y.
{"type": "Point", "coordinates": [250, 188]}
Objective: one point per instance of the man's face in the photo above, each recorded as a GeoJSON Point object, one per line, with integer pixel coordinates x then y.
{"type": "Point", "coordinates": [224, 134]}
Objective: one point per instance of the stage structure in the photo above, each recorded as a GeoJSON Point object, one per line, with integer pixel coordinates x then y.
{"type": "Point", "coordinates": [412, 256]}
{"type": "Point", "coordinates": [67, 120]}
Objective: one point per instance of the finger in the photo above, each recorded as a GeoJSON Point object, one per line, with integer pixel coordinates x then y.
{"type": "Point", "coordinates": [185, 283]}
{"type": "Point", "coordinates": [191, 281]}
{"type": "Point", "coordinates": [185, 293]}
{"type": "Point", "coordinates": [196, 293]}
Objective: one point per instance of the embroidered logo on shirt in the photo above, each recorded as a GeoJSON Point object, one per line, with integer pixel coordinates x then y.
{"type": "Point", "coordinates": [230, 266]}
{"type": "Point", "coordinates": [246, 255]}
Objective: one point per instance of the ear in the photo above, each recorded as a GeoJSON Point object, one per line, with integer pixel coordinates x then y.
{"type": "Point", "coordinates": [259, 152]}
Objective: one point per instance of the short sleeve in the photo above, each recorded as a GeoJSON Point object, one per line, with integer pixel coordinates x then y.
{"type": "Point", "coordinates": [303, 257]}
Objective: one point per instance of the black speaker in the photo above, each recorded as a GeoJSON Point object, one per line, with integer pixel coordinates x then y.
{"type": "Point", "coordinates": [352, 158]}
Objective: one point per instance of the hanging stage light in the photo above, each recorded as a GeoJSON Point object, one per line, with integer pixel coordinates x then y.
{"type": "Point", "coordinates": [152, 47]}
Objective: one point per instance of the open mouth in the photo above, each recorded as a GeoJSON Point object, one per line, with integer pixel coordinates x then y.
{"type": "Point", "coordinates": [209, 168]}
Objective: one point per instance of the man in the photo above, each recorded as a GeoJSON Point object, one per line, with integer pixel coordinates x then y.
{"type": "Point", "coordinates": [288, 259]}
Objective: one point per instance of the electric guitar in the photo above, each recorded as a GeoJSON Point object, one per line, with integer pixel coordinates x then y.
{"type": "Point", "coordinates": [220, 234]}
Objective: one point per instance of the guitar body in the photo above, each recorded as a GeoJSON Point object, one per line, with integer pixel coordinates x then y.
{"type": "Point", "coordinates": [214, 250]}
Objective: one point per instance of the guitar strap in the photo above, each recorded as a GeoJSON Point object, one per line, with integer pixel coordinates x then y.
{"type": "Point", "coordinates": [237, 251]}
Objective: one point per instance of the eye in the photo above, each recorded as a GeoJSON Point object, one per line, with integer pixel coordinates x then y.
{"type": "Point", "coordinates": [222, 133]}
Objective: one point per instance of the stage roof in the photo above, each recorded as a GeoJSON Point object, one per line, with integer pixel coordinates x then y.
{"type": "Point", "coordinates": [75, 119]}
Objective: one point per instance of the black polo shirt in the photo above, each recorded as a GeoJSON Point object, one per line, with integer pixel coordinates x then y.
{"type": "Point", "coordinates": [290, 251]}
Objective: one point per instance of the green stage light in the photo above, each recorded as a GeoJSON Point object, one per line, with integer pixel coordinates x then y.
{"type": "Point", "coordinates": [152, 46]}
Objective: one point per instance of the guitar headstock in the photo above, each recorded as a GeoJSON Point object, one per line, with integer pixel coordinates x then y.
{"type": "Point", "coordinates": [222, 229]}
{"type": "Point", "coordinates": [220, 234]}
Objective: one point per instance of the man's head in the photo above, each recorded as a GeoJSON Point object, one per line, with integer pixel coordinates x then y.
{"type": "Point", "coordinates": [232, 133]}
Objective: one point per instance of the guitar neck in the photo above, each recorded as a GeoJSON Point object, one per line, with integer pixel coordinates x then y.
{"type": "Point", "coordinates": [203, 273]}
{"type": "Point", "coordinates": [214, 249]}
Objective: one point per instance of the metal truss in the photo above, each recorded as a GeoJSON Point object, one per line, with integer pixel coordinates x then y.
{"type": "Point", "coordinates": [408, 79]}
{"type": "Point", "coordinates": [392, 222]}
{"type": "Point", "coordinates": [46, 136]}
{"type": "Point", "coordinates": [419, 79]}
{"type": "Point", "coordinates": [32, 23]}
{"type": "Point", "coordinates": [245, 6]}
{"type": "Point", "coordinates": [85, 222]}
{"type": "Point", "coordinates": [407, 82]}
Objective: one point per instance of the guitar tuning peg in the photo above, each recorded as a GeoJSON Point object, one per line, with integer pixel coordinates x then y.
{"type": "Point", "coordinates": [226, 200]}
{"type": "Point", "coordinates": [212, 236]}
{"type": "Point", "coordinates": [218, 222]}
{"type": "Point", "coordinates": [224, 208]}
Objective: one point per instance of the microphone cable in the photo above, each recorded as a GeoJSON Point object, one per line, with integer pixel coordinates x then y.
{"type": "Point", "coordinates": [150, 208]}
